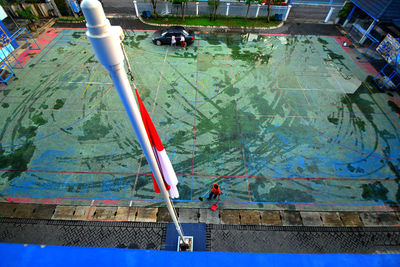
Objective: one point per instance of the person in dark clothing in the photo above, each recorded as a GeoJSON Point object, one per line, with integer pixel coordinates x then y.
{"type": "Point", "coordinates": [215, 192]}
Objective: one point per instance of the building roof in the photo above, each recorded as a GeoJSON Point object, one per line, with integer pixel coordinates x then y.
{"type": "Point", "coordinates": [384, 10]}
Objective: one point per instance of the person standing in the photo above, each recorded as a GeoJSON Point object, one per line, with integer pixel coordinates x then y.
{"type": "Point", "coordinates": [173, 41]}
{"type": "Point", "coordinates": [183, 43]}
{"type": "Point", "coordinates": [215, 192]}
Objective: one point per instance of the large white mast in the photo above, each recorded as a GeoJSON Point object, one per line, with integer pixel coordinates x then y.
{"type": "Point", "coordinates": [106, 42]}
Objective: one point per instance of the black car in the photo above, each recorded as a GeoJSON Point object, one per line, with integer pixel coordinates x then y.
{"type": "Point", "coordinates": [164, 36]}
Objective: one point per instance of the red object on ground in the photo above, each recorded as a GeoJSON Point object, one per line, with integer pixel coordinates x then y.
{"type": "Point", "coordinates": [214, 207]}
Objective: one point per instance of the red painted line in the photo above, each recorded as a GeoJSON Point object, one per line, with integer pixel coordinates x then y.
{"type": "Point", "coordinates": [209, 175]}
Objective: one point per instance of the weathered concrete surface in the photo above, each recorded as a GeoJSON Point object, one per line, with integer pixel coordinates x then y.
{"type": "Point", "coordinates": [291, 218]}
{"type": "Point", "coordinates": [379, 219]}
{"type": "Point", "coordinates": [146, 214]}
{"type": "Point", "coordinates": [230, 216]}
{"type": "Point", "coordinates": [187, 215]}
{"type": "Point", "coordinates": [250, 217]}
{"type": "Point", "coordinates": [311, 218]}
{"type": "Point", "coordinates": [105, 213]}
{"type": "Point", "coordinates": [64, 213]}
{"type": "Point", "coordinates": [209, 216]}
{"type": "Point", "coordinates": [271, 218]}
{"type": "Point", "coordinates": [331, 219]}
{"type": "Point", "coordinates": [163, 215]}
{"type": "Point", "coordinates": [350, 218]}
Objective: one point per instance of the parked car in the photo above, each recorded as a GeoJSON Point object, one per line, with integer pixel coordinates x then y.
{"type": "Point", "coordinates": [164, 36]}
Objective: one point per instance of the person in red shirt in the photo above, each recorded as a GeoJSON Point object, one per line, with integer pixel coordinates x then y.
{"type": "Point", "coordinates": [215, 192]}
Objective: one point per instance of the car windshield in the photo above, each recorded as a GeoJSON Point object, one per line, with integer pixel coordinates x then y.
{"type": "Point", "coordinates": [185, 32]}
{"type": "Point", "coordinates": [163, 33]}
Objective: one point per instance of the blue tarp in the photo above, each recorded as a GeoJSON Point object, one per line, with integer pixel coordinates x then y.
{"type": "Point", "coordinates": [34, 255]}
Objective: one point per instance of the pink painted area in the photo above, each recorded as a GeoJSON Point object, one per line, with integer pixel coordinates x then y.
{"type": "Point", "coordinates": [42, 41]}
{"type": "Point", "coordinates": [19, 199]}
{"type": "Point", "coordinates": [108, 201]}
{"type": "Point", "coordinates": [52, 201]}
{"type": "Point", "coordinates": [366, 66]}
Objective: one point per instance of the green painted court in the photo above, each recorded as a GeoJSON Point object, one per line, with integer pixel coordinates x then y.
{"type": "Point", "coordinates": [280, 122]}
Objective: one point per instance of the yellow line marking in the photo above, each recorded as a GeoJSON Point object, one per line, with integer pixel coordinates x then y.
{"type": "Point", "coordinates": [105, 94]}
{"type": "Point", "coordinates": [201, 84]}
{"type": "Point", "coordinates": [303, 90]}
{"type": "Point", "coordinates": [91, 79]}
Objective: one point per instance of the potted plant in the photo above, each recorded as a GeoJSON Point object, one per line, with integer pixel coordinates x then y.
{"type": "Point", "coordinates": [27, 14]}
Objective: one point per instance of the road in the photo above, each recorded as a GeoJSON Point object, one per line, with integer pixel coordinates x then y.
{"type": "Point", "coordinates": [297, 13]}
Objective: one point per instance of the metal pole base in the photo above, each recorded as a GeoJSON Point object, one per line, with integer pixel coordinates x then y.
{"type": "Point", "coordinates": [185, 247]}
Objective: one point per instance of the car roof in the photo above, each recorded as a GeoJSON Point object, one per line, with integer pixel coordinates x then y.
{"type": "Point", "coordinates": [176, 28]}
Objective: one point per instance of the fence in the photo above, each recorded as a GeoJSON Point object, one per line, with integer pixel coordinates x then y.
{"type": "Point", "coordinates": [40, 10]}
{"type": "Point", "coordinates": [318, 2]}
{"type": "Point", "coordinates": [231, 9]}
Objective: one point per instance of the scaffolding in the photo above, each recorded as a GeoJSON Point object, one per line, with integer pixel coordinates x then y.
{"type": "Point", "coordinates": [20, 39]}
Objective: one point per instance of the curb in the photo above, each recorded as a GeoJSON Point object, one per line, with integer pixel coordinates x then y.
{"type": "Point", "coordinates": [196, 215]}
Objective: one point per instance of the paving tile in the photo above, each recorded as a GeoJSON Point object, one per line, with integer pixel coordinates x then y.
{"type": "Point", "coordinates": [63, 213]}
{"type": "Point", "coordinates": [311, 218]}
{"type": "Point", "coordinates": [379, 219]}
{"type": "Point", "coordinates": [8, 209]}
{"type": "Point", "coordinates": [398, 214]}
{"type": "Point", "coordinates": [250, 217]}
{"type": "Point", "coordinates": [208, 216]}
{"type": "Point", "coordinates": [146, 214]}
{"type": "Point", "coordinates": [331, 219]}
{"type": "Point", "coordinates": [163, 215]}
{"type": "Point", "coordinates": [271, 217]}
{"type": "Point", "coordinates": [230, 216]}
{"type": "Point", "coordinates": [81, 213]}
{"type": "Point", "coordinates": [291, 218]}
{"type": "Point", "coordinates": [132, 214]}
{"type": "Point", "coordinates": [24, 210]}
{"type": "Point", "coordinates": [187, 215]}
{"type": "Point", "coordinates": [122, 214]}
{"type": "Point", "coordinates": [350, 218]}
{"type": "Point", "coordinates": [105, 213]}
{"type": "Point", "coordinates": [43, 212]}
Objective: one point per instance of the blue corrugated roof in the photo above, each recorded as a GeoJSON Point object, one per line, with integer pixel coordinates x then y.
{"type": "Point", "coordinates": [385, 10]}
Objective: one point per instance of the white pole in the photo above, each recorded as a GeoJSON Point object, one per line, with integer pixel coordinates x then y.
{"type": "Point", "coordinates": [136, 9]}
{"type": "Point", "coordinates": [258, 10]}
{"type": "Point", "coordinates": [106, 42]}
{"type": "Point", "coordinates": [197, 8]}
{"type": "Point", "coordinates": [227, 9]}
{"type": "Point", "coordinates": [166, 7]}
{"type": "Point", "coordinates": [287, 12]}
{"type": "Point", "coordinates": [364, 37]}
{"type": "Point", "coordinates": [329, 14]}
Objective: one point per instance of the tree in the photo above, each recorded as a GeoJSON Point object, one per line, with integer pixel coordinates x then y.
{"type": "Point", "coordinates": [182, 4]}
{"type": "Point", "coordinates": [269, 11]}
{"type": "Point", "coordinates": [213, 6]}
{"type": "Point", "coordinates": [248, 3]}
{"type": "Point", "coordinates": [27, 14]}
{"type": "Point", "coordinates": [154, 4]}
